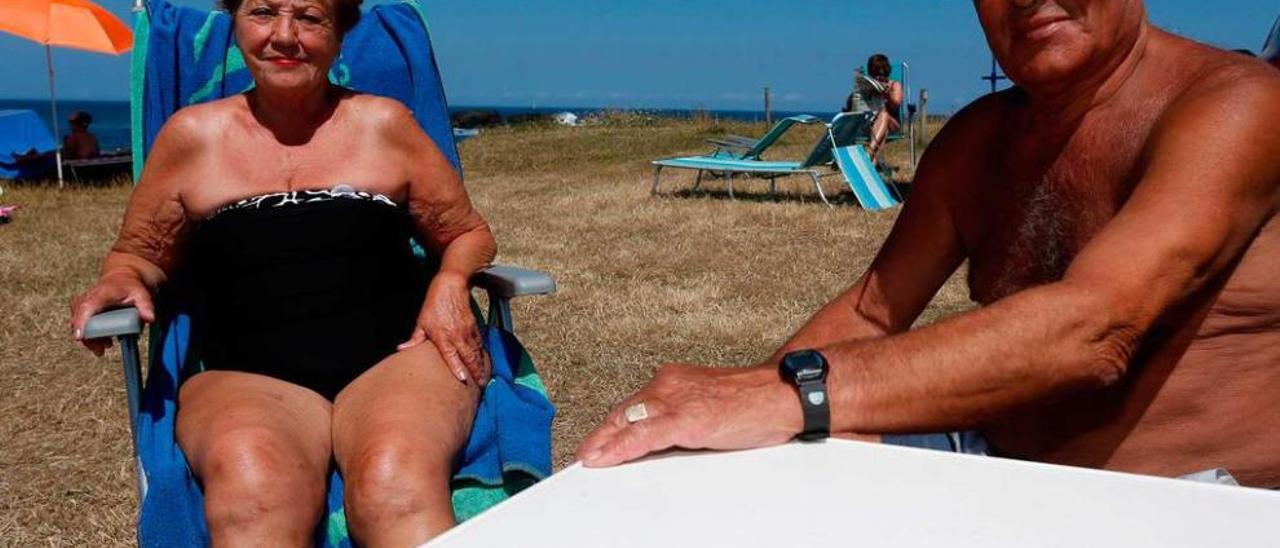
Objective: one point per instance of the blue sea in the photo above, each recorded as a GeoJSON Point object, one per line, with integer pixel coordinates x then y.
{"type": "Point", "coordinates": [111, 118]}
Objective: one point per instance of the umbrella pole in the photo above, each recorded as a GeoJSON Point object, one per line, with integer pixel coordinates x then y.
{"type": "Point", "coordinates": [53, 107]}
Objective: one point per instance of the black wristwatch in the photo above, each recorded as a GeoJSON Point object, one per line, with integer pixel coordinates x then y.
{"type": "Point", "coordinates": [807, 370]}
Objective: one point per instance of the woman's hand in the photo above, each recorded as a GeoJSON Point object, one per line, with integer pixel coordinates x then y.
{"type": "Point", "coordinates": [446, 320]}
{"type": "Point", "coordinates": [112, 291]}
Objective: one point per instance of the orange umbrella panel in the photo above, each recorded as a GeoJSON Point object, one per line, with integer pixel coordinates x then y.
{"type": "Point", "coordinates": [78, 24]}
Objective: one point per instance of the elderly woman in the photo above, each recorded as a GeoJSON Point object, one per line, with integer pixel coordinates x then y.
{"type": "Point", "coordinates": [293, 207]}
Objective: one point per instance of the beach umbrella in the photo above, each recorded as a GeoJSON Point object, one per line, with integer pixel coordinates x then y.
{"type": "Point", "coordinates": [77, 24]}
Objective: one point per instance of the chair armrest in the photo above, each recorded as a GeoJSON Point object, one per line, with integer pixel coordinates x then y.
{"type": "Point", "coordinates": [738, 139]}
{"type": "Point", "coordinates": [113, 323]}
{"type": "Point", "coordinates": [508, 282]}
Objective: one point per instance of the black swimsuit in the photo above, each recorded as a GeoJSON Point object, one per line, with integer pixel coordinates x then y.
{"type": "Point", "coordinates": [310, 287]}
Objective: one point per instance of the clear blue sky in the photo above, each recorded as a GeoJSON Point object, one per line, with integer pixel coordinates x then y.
{"type": "Point", "coordinates": [677, 53]}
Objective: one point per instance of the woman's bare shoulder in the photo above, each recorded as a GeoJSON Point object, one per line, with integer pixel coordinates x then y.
{"type": "Point", "coordinates": [198, 124]}
{"type": "Point", "coordinates": [379, 112]}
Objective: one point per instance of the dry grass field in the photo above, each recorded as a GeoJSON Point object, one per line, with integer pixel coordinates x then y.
{"type": "Point", "coordinates": [643, 280]}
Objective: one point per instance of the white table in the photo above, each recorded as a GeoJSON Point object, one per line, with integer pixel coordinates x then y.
{"type": "Point", "coordinates": [843, 493]}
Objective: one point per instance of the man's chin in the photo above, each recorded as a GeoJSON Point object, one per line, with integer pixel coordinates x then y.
{"type": "Point", "coordinates": [1049, 68]}
{"type": "Point", "coordinates": [1047, 63]}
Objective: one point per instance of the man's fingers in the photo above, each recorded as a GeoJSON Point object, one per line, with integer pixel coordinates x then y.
{"type": "Point", "coordinates": [635, 441]}
{"type": "Point", "coordinates": [613, 423]}
{"type": "Point", "coordinates": [596, 439]}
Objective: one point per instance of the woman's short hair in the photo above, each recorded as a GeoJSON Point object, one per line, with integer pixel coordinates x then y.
{"type": "Point", "coordinates": [346, 12]}
{"type": "Point", "coordinates": [878, 65]}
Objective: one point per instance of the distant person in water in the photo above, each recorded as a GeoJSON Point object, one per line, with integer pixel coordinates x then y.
{"type": "Point", "coordinates": [875, 92]}
{"type": "Point", "coordinates": [80, 143]}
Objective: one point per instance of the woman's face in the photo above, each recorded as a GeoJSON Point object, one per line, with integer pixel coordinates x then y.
{"type": "Point", "coordinates": [288, 45]}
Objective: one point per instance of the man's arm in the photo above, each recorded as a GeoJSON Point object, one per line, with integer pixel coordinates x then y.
{"type": "Point", "coordinates": [920, 253]}
{"type": "Point", "coordinates": [1207, 190]}
{"type": "Point", "coordinates": [922, 250]}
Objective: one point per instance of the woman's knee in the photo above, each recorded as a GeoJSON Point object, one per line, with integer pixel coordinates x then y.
{"type": "Point", "coordinates": [393, 477]}
{"type": "Point", "coordinates": [253, 474]}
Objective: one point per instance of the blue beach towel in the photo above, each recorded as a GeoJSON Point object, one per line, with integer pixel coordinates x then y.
{"type": "Point", "coordinates": [184, 56]}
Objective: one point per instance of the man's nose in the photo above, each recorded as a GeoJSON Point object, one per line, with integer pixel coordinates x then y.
{"type": "Point", "coordinates": [1026, 3]}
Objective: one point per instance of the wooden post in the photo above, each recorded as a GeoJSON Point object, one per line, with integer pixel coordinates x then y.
{"type": "Point", "coordinates": [768, 107]}
{"type": "Point", "coordinates": [923, 134]}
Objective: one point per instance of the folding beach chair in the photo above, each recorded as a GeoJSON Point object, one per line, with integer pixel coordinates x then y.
{"type": "Point", "coordinates": [737, 146]}
{"type": "Point", "coordinates": [185, 56]}
{"type": "Point", "coordinates": [840, 136]}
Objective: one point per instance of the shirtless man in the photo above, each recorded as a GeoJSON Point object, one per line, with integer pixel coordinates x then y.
{"type": "Point", "coordinates": [1119, 224]}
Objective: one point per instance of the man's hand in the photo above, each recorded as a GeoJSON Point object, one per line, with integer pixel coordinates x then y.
{"type": "Point", "coordinates": [696, 407]}
{"type": "Point", "coordinates": [446, 320]}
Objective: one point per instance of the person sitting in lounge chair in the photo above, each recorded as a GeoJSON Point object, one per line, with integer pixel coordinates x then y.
{"type": "Point", "coordinates": [292, 206]}
{"type": "Point", "coordinates": [80, 144]}
{"type": "Point", "coordinates": [875, 92]}
{"type": "Point", "coordinates": [1124, 252]}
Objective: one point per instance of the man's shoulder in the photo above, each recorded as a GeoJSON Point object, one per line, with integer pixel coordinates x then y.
{"type": "Point", "coordinates": [1239, 81]}
{"type": "Point", "coordinates": [977, 125]}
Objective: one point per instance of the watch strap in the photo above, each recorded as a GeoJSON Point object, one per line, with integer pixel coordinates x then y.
{"type": "Point", "coordinates": [817, 410]}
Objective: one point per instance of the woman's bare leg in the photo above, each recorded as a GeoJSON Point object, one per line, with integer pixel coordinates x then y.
{"type": "Point", "coordinates": [879, 132]}
{"type": "Point", "coordinates": [261, 447]}
{"type": "Point", "coordinates": [396, 432]}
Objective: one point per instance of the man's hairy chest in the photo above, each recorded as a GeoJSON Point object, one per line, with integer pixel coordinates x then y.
{"type": "Point", "coordinates": [1036, 205]}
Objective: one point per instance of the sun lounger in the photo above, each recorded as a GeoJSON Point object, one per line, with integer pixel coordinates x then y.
{"type": "Point", "coordinates": [869, 190]}
{"type": "Point", "coordinates": [737, 146]}
{"type": "Point", "coordinates": [102, 166]}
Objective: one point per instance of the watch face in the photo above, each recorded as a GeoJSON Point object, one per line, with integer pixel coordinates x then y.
{"type": "Point", "coordinates": [810, 374]}
{"type": "Point", "coordinates": [805, 365]}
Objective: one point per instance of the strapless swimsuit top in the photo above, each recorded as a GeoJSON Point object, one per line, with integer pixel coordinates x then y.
{"type": "Point", "coordinates": [312, 287]}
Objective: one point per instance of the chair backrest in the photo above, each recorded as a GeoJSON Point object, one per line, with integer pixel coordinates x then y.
{"type": "Point", "coordinates": [843, 130]}
{"type": "Point", "coordinates": [775, 133]}
{"type": "Point", "coordinates": [184, 56]}
{"type": "Point", "coordinates": [899, 72]}
{"type": "Point", "coordinates": [1271, 50]}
